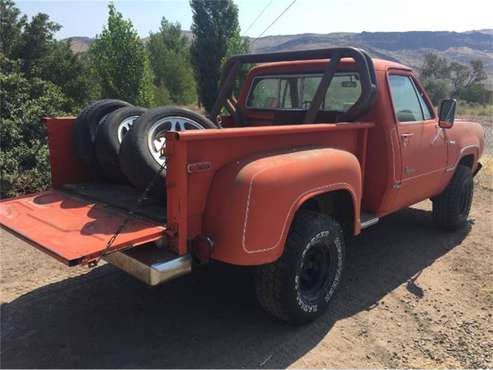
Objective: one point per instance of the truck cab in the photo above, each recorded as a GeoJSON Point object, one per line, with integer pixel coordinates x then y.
{"type": "Point", "coordinates": [315, 145]}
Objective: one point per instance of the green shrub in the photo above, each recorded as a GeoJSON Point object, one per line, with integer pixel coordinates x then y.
{"type": "Point", "coordinates": [24, 165]}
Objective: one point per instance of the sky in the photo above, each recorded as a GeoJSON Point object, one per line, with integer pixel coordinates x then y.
{"type": "Point", "coordinates": [87, 18]}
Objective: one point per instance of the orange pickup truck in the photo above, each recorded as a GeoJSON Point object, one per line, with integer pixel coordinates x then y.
{"type": "Point", "coordinates": [317, 144]}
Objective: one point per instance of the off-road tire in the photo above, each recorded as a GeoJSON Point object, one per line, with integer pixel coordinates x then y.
{"type": "Point", "coordinates": [451, 208]}
{"type": "Point", "coordinates": [136, 160]}
{"type": "Point", "coordinates": [86, 125]}
{"type": "Point", "coordinates": [107, 144]}
{"type": "Point", "coordinates": [279, 285]}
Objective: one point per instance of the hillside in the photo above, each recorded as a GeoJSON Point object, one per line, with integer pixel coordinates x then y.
{"type": "Point", "coordinates": [406, 47]}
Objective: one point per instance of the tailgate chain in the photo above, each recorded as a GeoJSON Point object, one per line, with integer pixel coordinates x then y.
{"type": "Point", "coordinates": [130, 213]}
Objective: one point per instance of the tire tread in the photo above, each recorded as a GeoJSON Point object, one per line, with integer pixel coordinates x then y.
{"type": "Point", "coordinates": [270, 279]}
{"type": "Point", "coordinates": [445, 206]}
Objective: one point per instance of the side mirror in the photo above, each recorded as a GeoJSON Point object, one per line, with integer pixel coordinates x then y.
{"type": "Point", "coordinates": [446, 113]}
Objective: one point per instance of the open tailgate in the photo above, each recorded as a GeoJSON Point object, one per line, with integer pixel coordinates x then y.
{"type": "Point", "coordinates": [71, 229]}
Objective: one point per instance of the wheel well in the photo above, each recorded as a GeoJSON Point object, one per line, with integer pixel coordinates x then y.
{"type": "Point", "coordinates": [467, 160]}
{"type": "Point", "coordinates": [338, 204]}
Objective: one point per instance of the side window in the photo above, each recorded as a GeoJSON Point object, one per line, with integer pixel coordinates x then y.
{"type": "Point", "coordinates": [265, 94]}
{"type": "Point", "coordinates": [297, 92]}
{"type": "Point", "coordinates": [343, 92]}
{"type": "Point", "coordinates": [286, 93]}
{"type": "Point", "coordinates": [308, 87]}
{"type": "Point", "coordinates": [426, 111]}
{"type": "Point", "coordinates": [406, 103]}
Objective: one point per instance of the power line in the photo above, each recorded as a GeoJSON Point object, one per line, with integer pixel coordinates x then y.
{"type": "Point", "coordinates": [274, 21]}
{"type": "Point", "coordinates": [258, 16]}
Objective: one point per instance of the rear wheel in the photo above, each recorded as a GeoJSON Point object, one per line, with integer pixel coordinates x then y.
{"type": "Point", "coordinates": [141, 152]}
{"type": "Point", "coordinates": [451, 208]}
{"type": "Point", "coordinates": [299, 286]}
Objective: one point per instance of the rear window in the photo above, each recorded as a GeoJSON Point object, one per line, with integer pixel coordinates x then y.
{"type": "Point", "coordinates": [296, 92]}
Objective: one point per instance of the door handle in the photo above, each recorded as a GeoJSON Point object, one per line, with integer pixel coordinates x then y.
{"type": "Point", "coordinates": [405, 137]}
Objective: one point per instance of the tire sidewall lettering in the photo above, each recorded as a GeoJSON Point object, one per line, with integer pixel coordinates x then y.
{"type": "Point", "coordinates": [329, 241]}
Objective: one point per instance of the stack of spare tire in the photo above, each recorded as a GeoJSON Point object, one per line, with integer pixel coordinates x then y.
{"type": "Point", "coordinates": [123, 144]}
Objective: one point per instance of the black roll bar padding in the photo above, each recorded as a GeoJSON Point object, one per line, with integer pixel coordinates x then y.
{"type": "Point", "coordinates": [364, 67]}
{"type": "Point", "coordinates": [319, 96]}
{"type": "Point", "coordinates": [365, 101]}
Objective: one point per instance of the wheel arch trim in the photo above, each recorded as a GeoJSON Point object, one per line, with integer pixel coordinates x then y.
{"type": "Point", "coordinates": [472, 149]}
{"type": "Point", "coordinates": [302, 198]}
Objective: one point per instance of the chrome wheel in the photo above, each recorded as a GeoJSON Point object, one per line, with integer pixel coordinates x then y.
{"type": "Point", "coordinates": [156, 140]}
{"type": "Point", "coordinates": [125, 127]}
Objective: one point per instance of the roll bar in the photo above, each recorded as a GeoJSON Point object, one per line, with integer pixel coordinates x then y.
{"type": "Point", "coordinates": [364, 67]}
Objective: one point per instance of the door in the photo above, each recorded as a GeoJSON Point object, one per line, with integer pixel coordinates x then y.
{"type": "Point", "coordinates": [72, 229]}
{"type": "Point", "coordinates": [422, 142]}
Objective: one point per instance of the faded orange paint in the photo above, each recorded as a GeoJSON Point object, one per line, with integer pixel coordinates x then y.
{"type": "Point", "coordinates": [72, 230]}
{"type": "Point", "coordinates": [252, 201]}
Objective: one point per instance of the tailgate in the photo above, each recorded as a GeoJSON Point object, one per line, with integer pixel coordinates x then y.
{"type": "Point", "coordinates": [71, 229]}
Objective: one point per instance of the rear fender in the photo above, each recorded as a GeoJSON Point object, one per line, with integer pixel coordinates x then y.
{"type": "Point", "coordinates": [252, 202]}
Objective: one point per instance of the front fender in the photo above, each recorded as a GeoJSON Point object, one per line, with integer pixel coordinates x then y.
{"type": "Point", "coordinates": [464, 139]}
{"type": "Point", "coordinates": [251, 202]}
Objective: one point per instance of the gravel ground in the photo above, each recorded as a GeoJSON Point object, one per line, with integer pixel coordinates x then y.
{"type": "Point", "coordinates": [412, 296]}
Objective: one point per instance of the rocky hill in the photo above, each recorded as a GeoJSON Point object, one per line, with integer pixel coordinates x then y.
{"type": "Point", "coordinates": [406, 47]}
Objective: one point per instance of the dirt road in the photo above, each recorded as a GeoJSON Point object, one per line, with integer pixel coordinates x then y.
{"type": "Point", "coordinates": [412, 297]}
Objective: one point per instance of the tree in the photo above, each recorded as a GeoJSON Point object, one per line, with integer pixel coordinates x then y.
{"type": "Point", "coordinates": [459, 74]}
{"type": "Point", "coordinates": [435, 67]}
{"type": "Point", "coordinates": [478, 74]}
{"type": "Point", "coordinates": [32, 45]}
{"type": "Point", "coordinates": [39, 77]}
{"type": "Point", "coordinates": [437, 90]}
{"type": "Point", "coordinates": [24, 165]}
{"type": "Point", "coordinates": [170, 62]}
{"type": "Point", "coordinates": [443, 79]}
{"type": "Point", "coordinates": [121, 62]}
{"type": "Point", "coordinates": [68, 71]}
{"type": "Point", "coordinates": [11, 24]}
{"type": "Point", "coordinates": [216, 35]}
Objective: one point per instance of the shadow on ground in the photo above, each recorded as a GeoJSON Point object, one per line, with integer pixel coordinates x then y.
{"type": "Point", "coordinates": [210, 319]}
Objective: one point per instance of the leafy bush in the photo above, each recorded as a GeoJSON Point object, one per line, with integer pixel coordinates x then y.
{"type": "Point", "coordinates": [24, 165]}
{"type": "Point", "coordinates": [476, 93]}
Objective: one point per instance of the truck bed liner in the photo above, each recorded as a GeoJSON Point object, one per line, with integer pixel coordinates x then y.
{"type": "Point", "coordinates": [120, 196]}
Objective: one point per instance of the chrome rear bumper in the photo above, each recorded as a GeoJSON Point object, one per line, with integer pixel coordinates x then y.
{"type": "Point", "coordinates": [151, 265]}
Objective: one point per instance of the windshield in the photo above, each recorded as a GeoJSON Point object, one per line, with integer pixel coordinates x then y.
{"type": "Point", "coordinates": [296, 92]}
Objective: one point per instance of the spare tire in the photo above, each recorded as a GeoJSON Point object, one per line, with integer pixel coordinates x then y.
{"type": "Point", "coordinates": [85, 128]}
{"type": "Point", "coordinates": [109, 137]}
{"type": "Point", "coordinates": [140, 152]}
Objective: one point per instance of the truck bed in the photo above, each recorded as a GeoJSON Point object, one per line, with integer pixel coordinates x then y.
{"type": "Point", "coordinates": [74, 221]}
{"type": "Point", "coordinates": [123, 197]}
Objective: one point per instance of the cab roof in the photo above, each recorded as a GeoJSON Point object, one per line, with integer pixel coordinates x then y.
{"type": "Point", "coordinates": [319, 64]}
